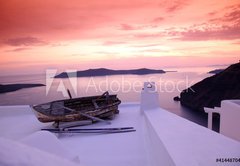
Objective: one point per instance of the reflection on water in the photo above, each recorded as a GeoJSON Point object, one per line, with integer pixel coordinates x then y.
{"type": "Point", "coordinates": [128, 88]}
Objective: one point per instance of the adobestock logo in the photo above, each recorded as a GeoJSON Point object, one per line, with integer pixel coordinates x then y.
{"type": "Point", "coordinates": [50, 77]}
{"type": "Point", "coordinates": [121, 84]}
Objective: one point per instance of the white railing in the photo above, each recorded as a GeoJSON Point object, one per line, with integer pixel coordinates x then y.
{"type": "Point", "coordinates": [229, 118]}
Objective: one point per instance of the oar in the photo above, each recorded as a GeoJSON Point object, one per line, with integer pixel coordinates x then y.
{"type": "Point", "coordinates": [91, 129]}
{"type": "Point", "coordinates": [86, 115]}
{"type": "Point", "coordinates": [69, 94]}
{"type": "Point", "coordinates": [96, 131]}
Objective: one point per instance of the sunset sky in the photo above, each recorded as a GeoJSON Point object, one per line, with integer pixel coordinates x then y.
{"type": "Point", "coordinates": [79, 34]}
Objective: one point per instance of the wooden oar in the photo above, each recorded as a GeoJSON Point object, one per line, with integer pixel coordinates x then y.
{"type": "Point", "coordinates": [93, 130]}
{"type": "Point", "coordinates": [86, 115]}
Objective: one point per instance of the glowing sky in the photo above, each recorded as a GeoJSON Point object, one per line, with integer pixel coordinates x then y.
{"type": "Point", "coordinates": [79, 34]}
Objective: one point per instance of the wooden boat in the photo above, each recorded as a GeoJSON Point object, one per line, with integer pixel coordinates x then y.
{"type": "Point", "coordinates": [78, 109]}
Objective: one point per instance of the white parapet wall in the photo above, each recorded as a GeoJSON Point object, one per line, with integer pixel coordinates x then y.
{"type": "Point", "coordinates": [176, 141]}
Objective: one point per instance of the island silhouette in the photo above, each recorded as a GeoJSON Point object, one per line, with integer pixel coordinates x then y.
{"type": "Point", "coordinates": [105, 72]}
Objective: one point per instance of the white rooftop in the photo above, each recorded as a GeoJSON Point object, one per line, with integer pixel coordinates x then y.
{"type": "Point", "coordinates": [162, 138]}
{"type": "Point", "coordinates": [159, 131]}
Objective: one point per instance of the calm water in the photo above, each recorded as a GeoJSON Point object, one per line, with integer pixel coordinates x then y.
{"type": "Point", "coordinates": [127, 87]}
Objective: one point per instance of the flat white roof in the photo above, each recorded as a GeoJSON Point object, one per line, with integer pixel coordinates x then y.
{"type": "Point", "coordinates": [17, 122]}
{"type": "Point", "coordinates": [161, 138]}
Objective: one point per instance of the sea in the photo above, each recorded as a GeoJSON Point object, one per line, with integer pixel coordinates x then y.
{"type": "Point", "coordinates": [127, 87]}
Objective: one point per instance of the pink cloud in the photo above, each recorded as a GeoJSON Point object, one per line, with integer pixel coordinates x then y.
{"type": "Point", "coordinates": [232, 15]}
{"type": "Point", "coordinates": [61, 20]}
{"type": "Point", "coordinates": [146, 45]}
{"type": "Point", "coordinates": [127, 27]}
{"type": "Point", "coordinates": [108, 43]}
{"type": "Point", "coordinates": [218, 28]}
{"type": "Point", "coordinates": [19, 49]}
{"type": "Point", "coordinates": [228, 27]}
{"type": "Point", "coordinates": [158, 19]}
{"type": "Point", "coordinates": [24, 41]}
{"type": "Point", "coordinates": [173, 5]}
{"type": "Point", "coordinates": [150, 35]}
{"type": "Point", "coordinates": [212, 13]}
{"type": "Point", "coordinates": [224, 33]}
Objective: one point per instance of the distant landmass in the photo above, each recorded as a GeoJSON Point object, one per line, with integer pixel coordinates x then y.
{"type": "Point", "coordinates": [105, 72]}
{"type": "Point", "coordinates": [216, 71]}
{"type": "Point", "coordinates": [212, 90]}
{"type": "Point", "coordinates": [15, 87]}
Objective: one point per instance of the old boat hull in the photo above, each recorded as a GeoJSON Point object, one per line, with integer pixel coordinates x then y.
{"type": "Point", "coordinates": [105, 106]}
